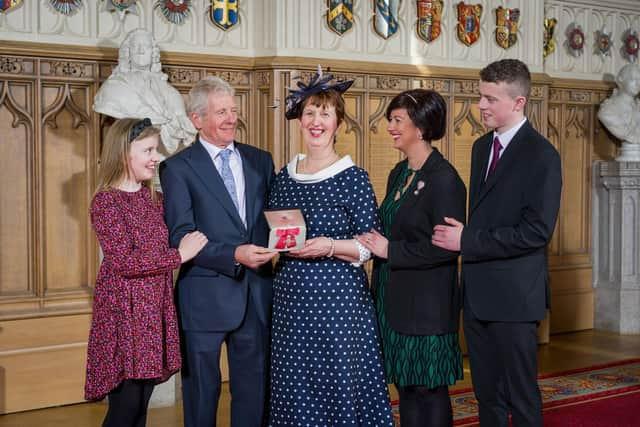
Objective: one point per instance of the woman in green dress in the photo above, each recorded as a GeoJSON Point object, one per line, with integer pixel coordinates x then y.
{"type": "Point", "coordinates": [415, 284]}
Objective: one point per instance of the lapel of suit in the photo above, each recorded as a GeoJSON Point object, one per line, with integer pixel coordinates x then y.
{"type": "Point", "coordinates": [506, 162]}
{"type": "Point", "coordinates": [411, 198]}
{"type": "Point", "coordinates": [479, 168]}
{"type": "Point", "coordinates": [251, 181]}
{"type": "Point", "coordinates": [202, 164]}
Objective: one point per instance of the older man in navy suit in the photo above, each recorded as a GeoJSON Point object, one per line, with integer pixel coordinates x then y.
{"type": "Point", "coordinates": [219, 187]}
{"type": "Point", "coordinates": [514, 197]}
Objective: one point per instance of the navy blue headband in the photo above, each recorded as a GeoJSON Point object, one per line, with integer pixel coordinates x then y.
{"type": "Point", "coordinates": [137, 129]}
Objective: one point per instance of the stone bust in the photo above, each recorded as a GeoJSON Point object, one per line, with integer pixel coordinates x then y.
{"type": "Point", "coordinates": [138, 88]}
{"type": "Point", "coordinates": [620, 113]}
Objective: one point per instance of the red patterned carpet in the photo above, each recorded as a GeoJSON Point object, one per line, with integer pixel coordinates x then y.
{"type": "Point", "coordinates": [598, 396]}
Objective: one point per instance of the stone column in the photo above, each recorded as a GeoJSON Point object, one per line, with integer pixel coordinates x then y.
{"type": "Point", "coordinates": [616, 246]}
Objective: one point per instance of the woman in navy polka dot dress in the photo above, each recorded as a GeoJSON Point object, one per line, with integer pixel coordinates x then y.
{"type": "Point", "coordinates": [326, 361]}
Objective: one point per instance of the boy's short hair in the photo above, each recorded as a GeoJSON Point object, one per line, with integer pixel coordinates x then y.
{"type": "Point", "coordinates": [511, 71]}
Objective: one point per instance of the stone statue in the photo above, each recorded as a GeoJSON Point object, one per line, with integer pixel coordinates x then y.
{"type": "Point", "coordinates": [138, 88]}
{"type": "Point", "coordinates": [620, 113]}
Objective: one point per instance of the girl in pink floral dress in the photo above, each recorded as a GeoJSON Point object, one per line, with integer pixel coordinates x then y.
{"type": "Point", "coordinates": [133, 343]}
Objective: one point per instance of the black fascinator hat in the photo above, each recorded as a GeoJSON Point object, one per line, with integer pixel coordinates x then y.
{"type": "Point", "coordinates": [318, 83]}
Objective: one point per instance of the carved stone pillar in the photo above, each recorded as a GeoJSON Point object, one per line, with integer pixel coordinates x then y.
{"type": "Point", "coordinates": [616, 246]}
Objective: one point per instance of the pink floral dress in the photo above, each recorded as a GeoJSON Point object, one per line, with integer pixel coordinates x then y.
{"type": "Point", "coordinates": [134, 331]}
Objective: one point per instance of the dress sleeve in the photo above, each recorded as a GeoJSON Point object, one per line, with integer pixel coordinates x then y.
{"type": "Point", "coordinates": [118, 247]}
{"type": "Point", "coordinates": [361, 204]}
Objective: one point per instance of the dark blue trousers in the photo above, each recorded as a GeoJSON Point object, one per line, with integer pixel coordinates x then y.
{"type": "Point", "coordinates": [247, 350]}
{"type": "Point", "coordinates": [504, 368]}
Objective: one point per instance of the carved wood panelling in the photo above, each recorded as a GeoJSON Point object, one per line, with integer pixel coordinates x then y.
{"type": "Point", "coordinates": [67, 151]}
{"type": "Point", "coordinates": [17, 267]}
{"type": "Point", "coordinates": [575, 131]}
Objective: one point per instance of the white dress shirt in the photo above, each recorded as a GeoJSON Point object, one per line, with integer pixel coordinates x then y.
{"type": "Point", "coordinates": [235, 163]}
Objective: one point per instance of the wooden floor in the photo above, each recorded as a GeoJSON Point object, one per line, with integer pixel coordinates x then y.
{"type": "Point", "coordinates": [566, 351]}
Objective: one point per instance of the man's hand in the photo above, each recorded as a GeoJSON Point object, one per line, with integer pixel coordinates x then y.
{"type": "Point", "coordinates": [253, 256]}
{"type": "Point", "coordinates": [448, 236]}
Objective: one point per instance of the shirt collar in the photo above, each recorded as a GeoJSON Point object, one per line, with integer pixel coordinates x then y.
{"type": "Point", "coordinates": [506, 137]}
{"type": "Point", "coordinates": [214, 150]}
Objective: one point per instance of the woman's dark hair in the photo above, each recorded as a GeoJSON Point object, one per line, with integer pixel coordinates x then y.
{"type": "Point", "coordinates": [426, 109]}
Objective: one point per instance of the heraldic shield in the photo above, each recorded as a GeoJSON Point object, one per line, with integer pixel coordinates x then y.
{"type": "Point", "coordinates": [469, 22]}
{"type": "Point", "coordinates": [429, 17]}
{"type": "Point", "coordinates": [7, 5]}
{"type": "Point", "coordinates": [224, 13]}
{"type": "Point", "coordinates": [340, 15]}
{"type": "Point", "coordinates": [507, 27]}
{"type": "Point", "coordinates": [385, 19]}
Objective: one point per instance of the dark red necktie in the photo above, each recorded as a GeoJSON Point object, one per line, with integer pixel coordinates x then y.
{"type": "Point", "coordinates": [495, 157]}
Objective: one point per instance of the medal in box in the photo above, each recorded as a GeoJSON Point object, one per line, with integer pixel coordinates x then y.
{"type": "Point", "coordinates": [288, 231]}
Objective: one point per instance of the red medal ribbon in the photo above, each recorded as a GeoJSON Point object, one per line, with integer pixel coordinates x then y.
{"type": "Point", "coordinates": [287, 237]}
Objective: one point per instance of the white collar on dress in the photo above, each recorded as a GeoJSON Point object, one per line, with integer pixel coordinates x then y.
{"type": "Point", "coordinates": [331, 170]}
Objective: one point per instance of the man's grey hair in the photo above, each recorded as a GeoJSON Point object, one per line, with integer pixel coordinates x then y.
{"type": "Point", "coordinates": [199, 94]}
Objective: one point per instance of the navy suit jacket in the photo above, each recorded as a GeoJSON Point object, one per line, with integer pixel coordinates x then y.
{"type": "Point", "coordinates": [511, 220]}
{"type": "Point", "coordinates": [211, 290]}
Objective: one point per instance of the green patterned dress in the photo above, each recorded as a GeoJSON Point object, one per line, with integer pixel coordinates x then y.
{"type": "Point", "coordinates": [425, 360]}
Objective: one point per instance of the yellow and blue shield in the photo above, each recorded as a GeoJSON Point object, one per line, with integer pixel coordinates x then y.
{"type": "Point", "coordinates": [224, 13]}
{"type": "Point", "coordinates": [429, 17]}
{"type": "Point", "coordinates": [385, 19]}
{"type": "Point", "coordinates": [340, 15]}
{"type": "Point", "coordinates": [469, 22]}
{"type": "Point", "coordinates": [7, 5]}
{"type": "Point", "coordinates": [507, 27]}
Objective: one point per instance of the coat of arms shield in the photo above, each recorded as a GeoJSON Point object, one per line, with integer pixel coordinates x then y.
{"type": "Point", "coordinates": [429, 17]}
{"type": "Point", "coordinates": [385, 19]}
{"type": "Point", "coordinates": [7, 5]}
{"type": "Point", "coordinates": [469, 22]}
{"type": "Point", "coordinates": [340, 15]}
{"type": "Point", "coordinates": [224, 13]}
{"type": "Point", "coordinates": [507, 26]}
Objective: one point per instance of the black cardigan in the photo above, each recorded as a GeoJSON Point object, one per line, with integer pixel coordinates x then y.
{"type": "Point", "coordinates": [422, 296]}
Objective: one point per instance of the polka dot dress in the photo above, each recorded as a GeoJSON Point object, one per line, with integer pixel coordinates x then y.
{"type": "Point", "coordinates": [326, 361]}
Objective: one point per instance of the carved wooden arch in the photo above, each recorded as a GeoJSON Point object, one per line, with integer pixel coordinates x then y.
{"type": "Point", "coordinates": [466, 115]}
{"type": "Point", "coordinates": [20, 115]}
{"type": "Point", "coordinates": [377, 115]}
{"type": "Point", "coordinates": [64, 99]}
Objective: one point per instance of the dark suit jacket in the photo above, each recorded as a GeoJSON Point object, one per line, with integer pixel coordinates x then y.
{"type": "Point", "coordinates": [422, 296]}
{"type": "Point", "coordinates": [511, 220]}
{"type": "Point", "coordinates": [211, 291]}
